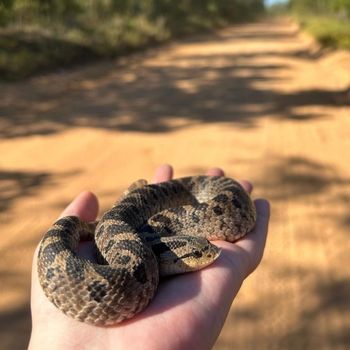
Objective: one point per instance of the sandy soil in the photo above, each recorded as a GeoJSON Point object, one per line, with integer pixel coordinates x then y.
{"type": "Point", "coordinates": [261, 101]}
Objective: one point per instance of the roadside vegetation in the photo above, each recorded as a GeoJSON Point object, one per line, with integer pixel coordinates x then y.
{"type": "Point", "coordinates": [41, 35]}
{"type": "Point", "coordinates": [327, 20]}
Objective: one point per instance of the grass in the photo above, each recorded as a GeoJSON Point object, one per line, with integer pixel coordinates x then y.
{"type": "Point", "coordinates": [329, 31]}
{"type": "Point", "coordinates": [26, 50]}
{"type": "Point", "coordinates": [39, 36]}
{"type": "Point", "coordinates": [44, 46]}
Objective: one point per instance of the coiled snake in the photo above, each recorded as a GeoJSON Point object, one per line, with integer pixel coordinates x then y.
{"type": "Point", "coordinates": [152, 231]}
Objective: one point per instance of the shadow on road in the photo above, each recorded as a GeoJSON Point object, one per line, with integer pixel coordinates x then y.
{"type": "Point", "coordinates": [15, 185]}
{"type": "Point", "coordinates": [203, 88]}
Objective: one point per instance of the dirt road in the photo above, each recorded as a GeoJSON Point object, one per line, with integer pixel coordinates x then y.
{"type": "Point", "coordinates": [259, 100]}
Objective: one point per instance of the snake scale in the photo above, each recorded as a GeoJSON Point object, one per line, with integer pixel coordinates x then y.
{"type": "Point", "coordinates": [151, 231]}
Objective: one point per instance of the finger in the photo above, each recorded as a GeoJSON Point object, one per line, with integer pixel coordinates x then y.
{"type": "Point", "coordinates": [219, 172]}
{"type": "Point", "coordinates": [215, 172]}
{"type": "Point", "coordinates": [163, 173]}
{"type": "Point", "coordinates": [85, 205]}
{"type": "Point", "coordinates": [246, 185]}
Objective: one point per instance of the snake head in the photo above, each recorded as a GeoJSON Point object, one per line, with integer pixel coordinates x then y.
{"type": "Point", "coordinates": [186, 254]}
{"type": "Point", "coordinates": [201, 254]}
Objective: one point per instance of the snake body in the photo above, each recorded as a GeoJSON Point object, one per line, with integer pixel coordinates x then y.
{"type": "Point", "coordinates": [153, 230]}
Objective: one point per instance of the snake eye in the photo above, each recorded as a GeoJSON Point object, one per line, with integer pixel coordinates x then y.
{"type": "Point", "coordinates": [197, 254]}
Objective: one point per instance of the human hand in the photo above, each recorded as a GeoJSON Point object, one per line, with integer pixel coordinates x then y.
{"type": "Point", "coordinates": [188, 311]}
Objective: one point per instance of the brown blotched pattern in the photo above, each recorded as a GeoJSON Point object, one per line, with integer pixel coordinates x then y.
{"type": "Point", "coordinates": [153, 230]}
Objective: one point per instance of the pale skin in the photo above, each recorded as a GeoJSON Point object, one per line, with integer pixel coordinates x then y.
{"type": "Point", "coordinates": [188, 311]}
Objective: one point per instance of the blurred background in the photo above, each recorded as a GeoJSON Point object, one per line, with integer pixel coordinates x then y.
{"type": "Point", "coordinates": [96, 94]}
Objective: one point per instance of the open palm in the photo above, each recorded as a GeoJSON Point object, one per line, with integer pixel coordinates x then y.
{"type": "Point", "coordinates": [188, 311]}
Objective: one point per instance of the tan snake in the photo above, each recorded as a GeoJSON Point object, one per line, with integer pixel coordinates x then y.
{"type": "Point", "coordinates": [152, 231]}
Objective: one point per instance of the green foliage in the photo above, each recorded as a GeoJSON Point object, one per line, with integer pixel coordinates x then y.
{"type": "Point", "coordinates": [36, 35]}
{"type": "Point", "coordinates": [322, 7]}
{"type": "Point", "coordinates": [327, 20]}
{"type": "Point", "coordinates": [328, 31]}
